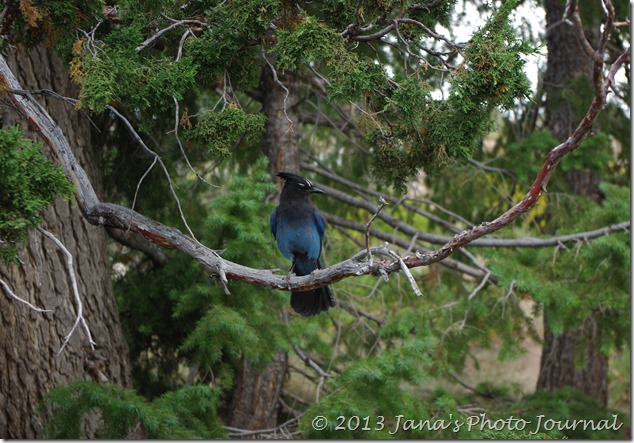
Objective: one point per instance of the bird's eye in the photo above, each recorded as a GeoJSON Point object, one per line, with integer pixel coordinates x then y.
{"type": "Point", "coordinates": [302, 185]}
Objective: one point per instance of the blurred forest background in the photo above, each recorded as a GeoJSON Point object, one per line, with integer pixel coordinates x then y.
{"type": "Point", "coordinates": [184, 111]}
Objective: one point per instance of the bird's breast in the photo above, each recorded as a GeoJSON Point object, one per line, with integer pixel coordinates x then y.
{"type": "Point", "coordinates": [298, 238]}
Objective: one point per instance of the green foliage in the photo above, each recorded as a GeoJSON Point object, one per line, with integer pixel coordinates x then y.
{"type": "Point", "coordinates": [351, 76]}
{"type": "Point", "coordinates": [223, 322]}
{"type": "Point", "coordinates": [115, 77]}
{"type": "Point", "coordinates": [308, 41]}
{"type": "Point", "coordinates": [226, 50]}
{"type": "Point", "coordinates": [184, 414]}
{"type": "Point", "coordinates": [491, 76]}
{"type": "Point", "coordinates": [146, 300]}
{"type": "Point", "coordinates": [575, 411]}
{"type": "Point", "coordinates": [599, 269]}
{"type": "Point", "coordinates": [218, 132]}
{"type": "Point", "coordinates": [219, 50]}
{"type": "Point", "coordinates": [29, 183]}
{"type": "Point", "coordinates": [529, 152]}
{"type": "Point", "coordinates": [411, 100]}
{"type": "Point", "coordinates": [594, 153]}
{"type": "Point", "coordinates": [494, 70]}
{"type": "Point", "coordinates": [244, 323]}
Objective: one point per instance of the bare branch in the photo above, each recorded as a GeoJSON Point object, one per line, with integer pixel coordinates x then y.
{"type": "Point", "coordinates": [73, 284]}
{"type": "Point", "coordinates": [480, 286]}
{"type": "Point", "coordinates": [425, 6]}
{"type": "Point", "coordinates": [282, 429]}
{"type": "Point", "coordinates": [357, 312]}
{"type": "Point", "coordinates": [408, 274]}
{"type": "Point", "coordinates": [377, 35]}
{"type": "Point", "coordinates": [142, 244]}
{"type": "Point", "coordinates": [382, 204]}
{"type": "Point", "coordinates": [174, 25]}
{"type": "Point", "coordinates": [12, 294]}
{"type": "Point", "coordinates": [323, 375]}
{"type": "Point", "coordinates": [140, 141]}
{"type": "Point", "coordinates": [401, 242]}
{"type": "Point", "coordinates": [525, 242]}
{"type": "Point", "coordinates": [367, 191]}
{"type": "Point", "coordinates": [281, 85]}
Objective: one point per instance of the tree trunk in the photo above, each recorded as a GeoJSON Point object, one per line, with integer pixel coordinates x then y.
{"type": "Point", "coordinates": [573, 358]}
{"type": "Point", "coordinates": [30, 341]}
{"type": "Point", "coordinates": [256, 398]}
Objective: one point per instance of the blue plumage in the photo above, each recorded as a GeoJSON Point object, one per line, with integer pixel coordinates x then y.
{"type": "Point", "coordinates": [298, 228]}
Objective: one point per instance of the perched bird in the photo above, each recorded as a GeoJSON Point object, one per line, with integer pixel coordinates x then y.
{"type": "Point", "coordinates": [298, 229]}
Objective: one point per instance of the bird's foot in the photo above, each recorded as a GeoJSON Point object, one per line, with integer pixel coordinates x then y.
{"type": "Point", "coordinates": [288, 279]}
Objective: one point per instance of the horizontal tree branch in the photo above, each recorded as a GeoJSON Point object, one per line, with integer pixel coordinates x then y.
{"type": "Point", "coordinates": [525, 242]}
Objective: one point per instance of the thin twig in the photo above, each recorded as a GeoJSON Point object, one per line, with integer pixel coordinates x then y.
{"type": "Point", "coordinates": [310, 362]}
{"type": "Point", "coordinates": [237, 432]}
{"type": "Point", "coordinates": [180, 144]}
{"type": "Point", "coordinates": [407, 272]}
{"type": "Point", "coordinates": [138, 185]}
{"type": "Point", "coordinates": [12, 294]}
{"type": "Point", "coordinates": [281, 85]}
{"type": "Point", "coordinates": [382, 204]}
{"type": "Point", "coordinates": [480, 286]}
{"type": "Point", "coordinates": [150, 40]}
{"type": "Point", "coordinates": [357, 312]}
{"type": "Point", "coordinates": [471, 388]}
{"type": "Point", "coordinates": [181, 43]}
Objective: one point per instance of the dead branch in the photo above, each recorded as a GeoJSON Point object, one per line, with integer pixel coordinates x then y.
{"type": "Point", "coordinates": [10, 293]}
{"type": "Point", "coordinates": [175, 24]}
{"type": "Point", "coordinates": [79, 306]}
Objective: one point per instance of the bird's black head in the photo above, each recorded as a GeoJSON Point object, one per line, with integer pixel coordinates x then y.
{"type": "Point", "coordinates": [296, 185]}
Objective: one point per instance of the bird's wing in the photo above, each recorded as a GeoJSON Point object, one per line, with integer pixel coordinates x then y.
{"type": "Point", "coordinates": [273, 222]}
{"type": "Point", "coordinates": [319, 223]}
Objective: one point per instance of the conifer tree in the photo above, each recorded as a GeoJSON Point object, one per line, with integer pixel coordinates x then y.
{"type": "Point", "coordinates": [198, 104]}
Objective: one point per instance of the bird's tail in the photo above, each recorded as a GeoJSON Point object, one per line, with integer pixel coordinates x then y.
{"type": "Point", "coordinates": [312, 302]}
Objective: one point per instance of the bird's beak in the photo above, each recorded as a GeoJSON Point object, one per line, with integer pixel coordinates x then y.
{"type": "Point", "coordinates": [315, 190]}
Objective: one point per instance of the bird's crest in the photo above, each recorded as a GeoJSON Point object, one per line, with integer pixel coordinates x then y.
{"type": "Point", "coordinates": [289, 176]}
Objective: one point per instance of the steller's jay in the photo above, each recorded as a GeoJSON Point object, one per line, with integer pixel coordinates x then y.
{"type": "Point", "coordinates": [298, 229]}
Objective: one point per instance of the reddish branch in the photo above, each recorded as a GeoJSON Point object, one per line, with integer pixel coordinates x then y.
{"type": "Point", "coordinates": [541, 182]}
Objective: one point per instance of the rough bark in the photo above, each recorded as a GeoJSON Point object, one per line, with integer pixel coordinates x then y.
{"type": "Point", "coordinates": [29, 341]}
{"type": "Point", "coordinates": [255, 401]}
{"type": "Point", "coordinates": [573, 358]}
